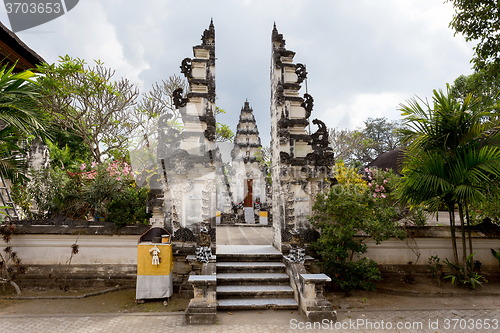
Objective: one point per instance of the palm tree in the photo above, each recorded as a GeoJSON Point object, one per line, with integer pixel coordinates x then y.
{"type": "Point", "coordinates": [451, 158]}
{"type": "Point", "coordinates": [20, 117]}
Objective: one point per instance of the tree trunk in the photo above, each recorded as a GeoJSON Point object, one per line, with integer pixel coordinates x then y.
{"type": "Point", "coordinates": [468, 231]}
{"type": "Point", "coordinates": [464, 245]}
{"type": "Point", "coordinates": [451, 211]}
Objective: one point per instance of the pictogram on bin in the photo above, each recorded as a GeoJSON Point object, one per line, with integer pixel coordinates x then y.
{"type": "Point", "coordinates": [154, 265]}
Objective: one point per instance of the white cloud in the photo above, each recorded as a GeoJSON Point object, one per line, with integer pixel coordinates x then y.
{"type": "Point", "coordinates": [355, 110]}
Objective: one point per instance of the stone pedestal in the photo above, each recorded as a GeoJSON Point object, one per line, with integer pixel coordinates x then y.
{"type": "Point", "coordinates": [313, 303]}
{"type": "Point", "coordinates": [202, 308]}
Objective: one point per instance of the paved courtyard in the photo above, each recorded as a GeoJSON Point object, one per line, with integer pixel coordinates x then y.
{"type": "Point", "coordinates": [244, 235]}
{"type": "Point", "coordinates": [459, 320]}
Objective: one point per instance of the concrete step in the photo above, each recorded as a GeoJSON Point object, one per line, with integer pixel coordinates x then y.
{"type": "Point", "coordinates": [257, 304]}
{"type": "Point", "coordinates": [247, 257]}
{"type": "Point", "coordinates": [252, 279]}
{"type": "Point", "coordinates": [250, 266]}
{"type": "Point", "coordinates": [255, 291]}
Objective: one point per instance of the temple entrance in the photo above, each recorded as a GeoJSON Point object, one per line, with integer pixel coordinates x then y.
{"type": "Point", "coordinates": [248, 202]}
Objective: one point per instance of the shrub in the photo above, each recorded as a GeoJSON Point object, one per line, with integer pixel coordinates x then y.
{"type": "Point", "coordinates": [348, 209]}
{"type": "Point", "coordinates": [105, 191]}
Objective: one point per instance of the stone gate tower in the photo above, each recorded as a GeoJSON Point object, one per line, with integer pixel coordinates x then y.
{"type": "Point", "coordinates": [187, 154]}
{"type": "Point", "coordinates": [300, 162]}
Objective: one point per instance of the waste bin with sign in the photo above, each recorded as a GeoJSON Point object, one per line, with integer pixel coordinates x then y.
{"type": "Point", "coordinates": [154, 265]}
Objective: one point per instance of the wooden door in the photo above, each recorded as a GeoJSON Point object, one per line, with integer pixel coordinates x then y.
{"type": "Point", "coordinates": [249, 193]}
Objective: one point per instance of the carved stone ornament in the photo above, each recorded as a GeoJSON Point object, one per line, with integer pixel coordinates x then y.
{"type": "Point", "coordinates": [186, 67]}
{"type": "Point", "coordinates": [300, 70]}
{"type": "Point", "coordinates": [177, 98]}
{"type": "Point", "coordinates": [210, 133]}
{"type": "Point", "coordinates": [320, 137]}
{"type": "Point", "coordinates": [284, 157]}
{"type": "Point", "coordinates": [211, 89]}
{"type": "Point", "coordinates": [210, 186]}
{"type": "Point", "coordinates": [188, 185]}
{"type": "Point", "coordinates": [163, 121]}
{"type": "Point", "coordinates": [280, 94]}
{"type": "Point", "coordinates": [179, 162]}
{"type": "Point", "coordinates": [308, 104]}
{"type": "Point", "coordinates": [306, 187]}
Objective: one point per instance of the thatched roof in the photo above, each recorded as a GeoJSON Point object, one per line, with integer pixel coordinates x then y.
{"type": "Point", "coordinates": [13, 49]}
{"type": "Point", "coordinates": [389, 160]}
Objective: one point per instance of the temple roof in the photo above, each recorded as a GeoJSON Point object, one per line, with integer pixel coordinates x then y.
{"type": "Point", "coordinates": [13, 49]}
{"type": "Point", "coordinates": [246, 117]}
{"type": "Point", "coordinates": [389, 160]}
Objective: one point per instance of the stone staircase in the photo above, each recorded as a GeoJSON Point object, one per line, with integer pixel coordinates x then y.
{"type": "Point", "coordinates": [251, 277]}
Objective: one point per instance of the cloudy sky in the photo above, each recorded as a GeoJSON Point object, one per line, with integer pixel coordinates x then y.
{"type": "Point", "coordinates": [363, 57]}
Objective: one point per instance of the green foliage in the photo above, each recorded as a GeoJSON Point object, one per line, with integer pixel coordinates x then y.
{"type": "Point", "coordinates": [496, 255]}
{"type": "Point", "coordinates": [18, 102]}
{"type": "Point", "coordinates": [480, 86]}
{"type": "Point", "coordinates": [347, 209]}
{"type": "Point", "coordinates": [22, 199]}
{"type": "Point", "coordinates": [465, 276]}
{"type": "Point", "coordinates": [19, 111]}
{"type": "Point", "coordinates": [479, 21]}
{"type": "Point", "coordinates": [90, 103]}
{"type": "Point", "coordinates": [223, 133]}
{"type": "Point", "coordinates": [127, 206]}
{"type": "Point", "coordinates": [263, 156]}
{"type": "Point", "coordinates": [452, 158]}
{"type": "Point", "coordinates": [416, 216]}
{"type": "Point", "coordinates": [488, 208]}
{"type": "Point", "coordinates": [363, 145]}
{"type": "Point", "coordinates": [46, 189]}
{"type": "Point", "coordinates": [436, 268]}
{"type": "Point", "coordinates": [106, 192]}
{"type": "Point", "coordinates": [68, 150]}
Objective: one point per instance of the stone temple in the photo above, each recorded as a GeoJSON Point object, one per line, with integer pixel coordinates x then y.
{"type": "Point", "coordinates": [194, 175]}
{"type": "Point", "coordinates": [249, 183]}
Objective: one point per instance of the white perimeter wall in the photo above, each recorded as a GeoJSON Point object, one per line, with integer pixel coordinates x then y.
{"type": "Point", "coordinates": [98, 249]}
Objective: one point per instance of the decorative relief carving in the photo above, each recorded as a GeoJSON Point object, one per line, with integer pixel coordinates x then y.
{"type": "Point", "coordinates": [300, 70]}
{"type": "Point", "coordinates": [186, 68]}
{"type": "Point", "coordinates": [308, 104]}
{"type": "Point", "coordinates": [177, 98]}
{"type": "Point", "coordinates": [319, 139]}
{"type": "Point", "coordinates": [210, 186]}
{"type": "Point", "coordinates": [188, 185]}
{"type": "Point", "coordinates": [284, 157]}
{"type": "Point", "coordinates": [280, 94]}
{"type": "Point", "coordinates": [211, 90]}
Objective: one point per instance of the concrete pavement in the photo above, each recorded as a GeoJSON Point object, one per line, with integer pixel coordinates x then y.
{"type": "Point", "coordinates": [446, 320]}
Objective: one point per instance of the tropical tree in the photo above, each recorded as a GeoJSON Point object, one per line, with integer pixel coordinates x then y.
{"type": "Point", "coordinates": [451, 158]}
{"type": "Point", "coordinates": [363, 145]}
{"type": "Point", "coordinates": [20, 118]}
{"type": "Point", "coordinates": [479, 21]}
{"type": "Point", "coordinates": [90, 103]}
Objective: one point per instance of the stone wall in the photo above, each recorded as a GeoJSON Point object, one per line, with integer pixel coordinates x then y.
{"type": "Point", "coordinates": [114, 258]}
{"type": "Point", "coordinates": [108, 259]}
